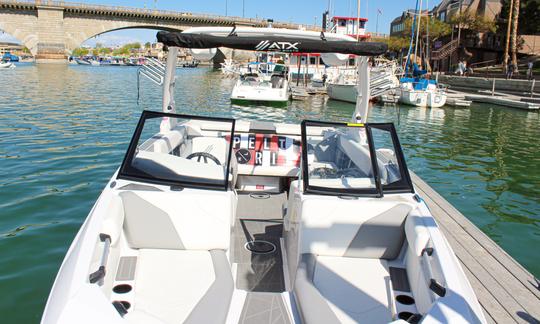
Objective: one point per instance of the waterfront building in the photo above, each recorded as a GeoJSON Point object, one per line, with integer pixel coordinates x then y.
{"type": "Point", "coordinates": [397, 26]}
{"type": "Point", "coordinates": [12, 48]}
{"type": "Point", "coordinates": [477, 47]}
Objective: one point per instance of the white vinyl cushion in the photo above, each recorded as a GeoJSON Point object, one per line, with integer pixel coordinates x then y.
{"type": "Point", "coordinates": [114, 219]}
{"type": "Point", "coordinates": [140, 317]}
{"type": "Point", "coordinates": [417, 233]}
{"type": "Point", "coordinates": [203, 221]}
{"type": "Point", "coordinates": [167, 166]}
{"type": "Point", "coordinates": [356, 289]}
{"type": "Point", "coordinates": [168, 141]}
{"type": "Point", "coordinates": [329, 225]}
{"type": "Point", "coordinates": [170, 283]}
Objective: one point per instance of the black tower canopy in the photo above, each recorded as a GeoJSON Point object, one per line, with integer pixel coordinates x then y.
{"type": "Point", "coordinates": [271, 43]}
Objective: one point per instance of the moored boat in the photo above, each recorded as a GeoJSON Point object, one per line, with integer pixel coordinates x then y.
{"type": "Point", "coordinates": [179, 232]}
{"type": "Point", "coordinates": [263, 85]}
{"type": "Point", "coordinates": [7, 65]}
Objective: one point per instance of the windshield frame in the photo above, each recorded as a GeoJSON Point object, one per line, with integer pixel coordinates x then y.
{"type": "Point", "coordinates": [356, 192]}
{"type": "Point", "coordinates": [404, 185]}
{"type": "Point", "coordinates": [127, 172]}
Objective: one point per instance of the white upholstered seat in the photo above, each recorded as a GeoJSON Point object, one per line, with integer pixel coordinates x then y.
{"type": "Point", "coordinates": [343, 290]}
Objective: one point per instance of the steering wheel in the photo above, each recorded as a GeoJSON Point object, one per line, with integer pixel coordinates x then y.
{"type": "Point", "coordinates": [324, 173]}
{"type": "Point", "coordinates": [205, 156]}
{"type": "Point", "coordinates": [350, 173]}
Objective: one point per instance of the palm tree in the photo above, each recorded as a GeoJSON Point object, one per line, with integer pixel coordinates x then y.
{"type": "Point", "coordinates": [507, 41]}
{"type": "Point", "coordinates": [515, 21]}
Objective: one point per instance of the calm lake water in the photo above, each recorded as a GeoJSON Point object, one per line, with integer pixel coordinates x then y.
{"type": "Point", "coordinates": [64, 130]}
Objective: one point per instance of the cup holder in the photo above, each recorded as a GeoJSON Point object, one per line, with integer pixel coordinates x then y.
{"type": "Point", "coordinates": [260, 247]}
{"type": "Point", "coordinates": [259, 195]}
{"type": "Point", "coordinates": [122, 289]}
{"type": "Point", "coordinates": [405, 315]}
{"type": "Point", "coordinates": [405, 300]}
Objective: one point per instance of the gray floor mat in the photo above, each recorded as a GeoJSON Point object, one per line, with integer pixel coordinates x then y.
{"type": "Point", "coordinates": [264, 308]}
{"type": "Point", "coordinates": [259, 218]}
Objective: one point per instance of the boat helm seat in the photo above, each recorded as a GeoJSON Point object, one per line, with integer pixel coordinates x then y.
{"type": "Point", "coordinates": [178, 286]}
{"type": "Point", "coordinates": [334, 290]}
{"type": "Point", "coordinates": [342, 275]}
{"type": "Point", "coordinates": [183, 274]}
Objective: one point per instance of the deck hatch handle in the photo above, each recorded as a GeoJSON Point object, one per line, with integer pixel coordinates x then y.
{"type": "Point", "coordinates": [437, 288]}
{"type": "Point", "coordinates": [99, 274]}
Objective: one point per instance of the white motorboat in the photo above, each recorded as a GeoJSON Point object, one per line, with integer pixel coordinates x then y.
{"type": "Point", "coordinates": [82, 61]}
{"type": "Point", "coordinates": [268, 87]}
{"type": "Point", "coordinates": [7, 65]}
{"type": "Point", "coordinates": [253, 89]}
{"type": "Point", "coordinates": [216, 220]}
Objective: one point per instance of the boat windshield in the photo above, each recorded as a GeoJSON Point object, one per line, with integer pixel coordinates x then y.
{"type": "Point", "coordinates": [352, 159]}
{"type": "Point", "coordinates": [181, 150]}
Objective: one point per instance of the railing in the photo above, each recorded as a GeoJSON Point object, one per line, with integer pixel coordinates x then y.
{"type": "Point", "coordinates": [154, 12]}
{"type": "Point", "coordinates": [445, 51]}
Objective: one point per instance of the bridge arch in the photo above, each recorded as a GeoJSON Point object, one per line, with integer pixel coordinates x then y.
{"type": "Point", "coordinates": [77, 31]}
{"type": "Point", "coordinates": [21, 27]}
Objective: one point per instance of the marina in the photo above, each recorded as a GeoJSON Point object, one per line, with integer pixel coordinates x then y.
{"type": "Point", "coordinates": [313, 175]}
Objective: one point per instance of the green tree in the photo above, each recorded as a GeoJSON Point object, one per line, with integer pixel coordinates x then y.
{"type": "Point", "coordinates": [529, 12]}
{"type": "Point", "coordinates": [437, 28]}
{"type": "Point", "coordinates": [80, 52]}
{"type": "Point", "coordinates": [105, 51]}
{"type": "Point", "coordinates": [147, 45]}
{"type": "Point", "coordinates": [474, 23]}
{"type": "Point", "coordinates": [394, 43]}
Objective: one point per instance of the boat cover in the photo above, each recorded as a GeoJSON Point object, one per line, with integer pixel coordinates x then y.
{"type": "Point", "coordinates": [271, 43]}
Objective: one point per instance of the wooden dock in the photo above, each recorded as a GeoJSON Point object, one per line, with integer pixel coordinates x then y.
{"type": "Point", "coordinates": [507, 292]}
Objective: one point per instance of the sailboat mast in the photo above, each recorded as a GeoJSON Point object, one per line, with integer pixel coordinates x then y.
{"type": "Point", "coordinates": [419, 13]}
{"type": "Point", "coordinates": [427, 33]}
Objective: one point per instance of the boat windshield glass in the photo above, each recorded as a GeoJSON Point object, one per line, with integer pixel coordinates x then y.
{"type": "Point", "coordinates": [338, 159]}
{"type": "Point", "coordinates": [182, 150]}
{"type": "Point", "coordinates": [353, 159]}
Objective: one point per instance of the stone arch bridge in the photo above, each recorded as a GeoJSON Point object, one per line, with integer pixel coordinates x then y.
{"type": "Point", "coordinates": [52, 29]}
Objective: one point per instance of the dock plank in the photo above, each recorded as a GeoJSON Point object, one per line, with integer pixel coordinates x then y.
{"type": "Point", "coordinates": [505, 290]}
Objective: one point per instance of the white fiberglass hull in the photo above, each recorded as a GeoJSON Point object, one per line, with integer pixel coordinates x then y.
{"type": "Point", "coordinates": [342, 92]}
{"type": "Point", "coordinates": [253, 94]}
{"type": "Point", "coordinates": [421, 98]}
{"type": "Point", "coordinates": [7, 65]}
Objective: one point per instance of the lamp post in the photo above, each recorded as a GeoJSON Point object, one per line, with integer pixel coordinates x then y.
{"type": "Point", "coordinates": [243, 8]}
{"type": "Point", "coordinates": [226, 5]}
{"type": "Point", "coordinates": [377, 22]}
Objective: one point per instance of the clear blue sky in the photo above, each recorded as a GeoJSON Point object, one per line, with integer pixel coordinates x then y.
{"type": "Point", "coordinates": [299, 11]}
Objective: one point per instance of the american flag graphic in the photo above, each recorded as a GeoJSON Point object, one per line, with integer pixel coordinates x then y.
{"type": "Point", "coordinates": [266, 150]}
